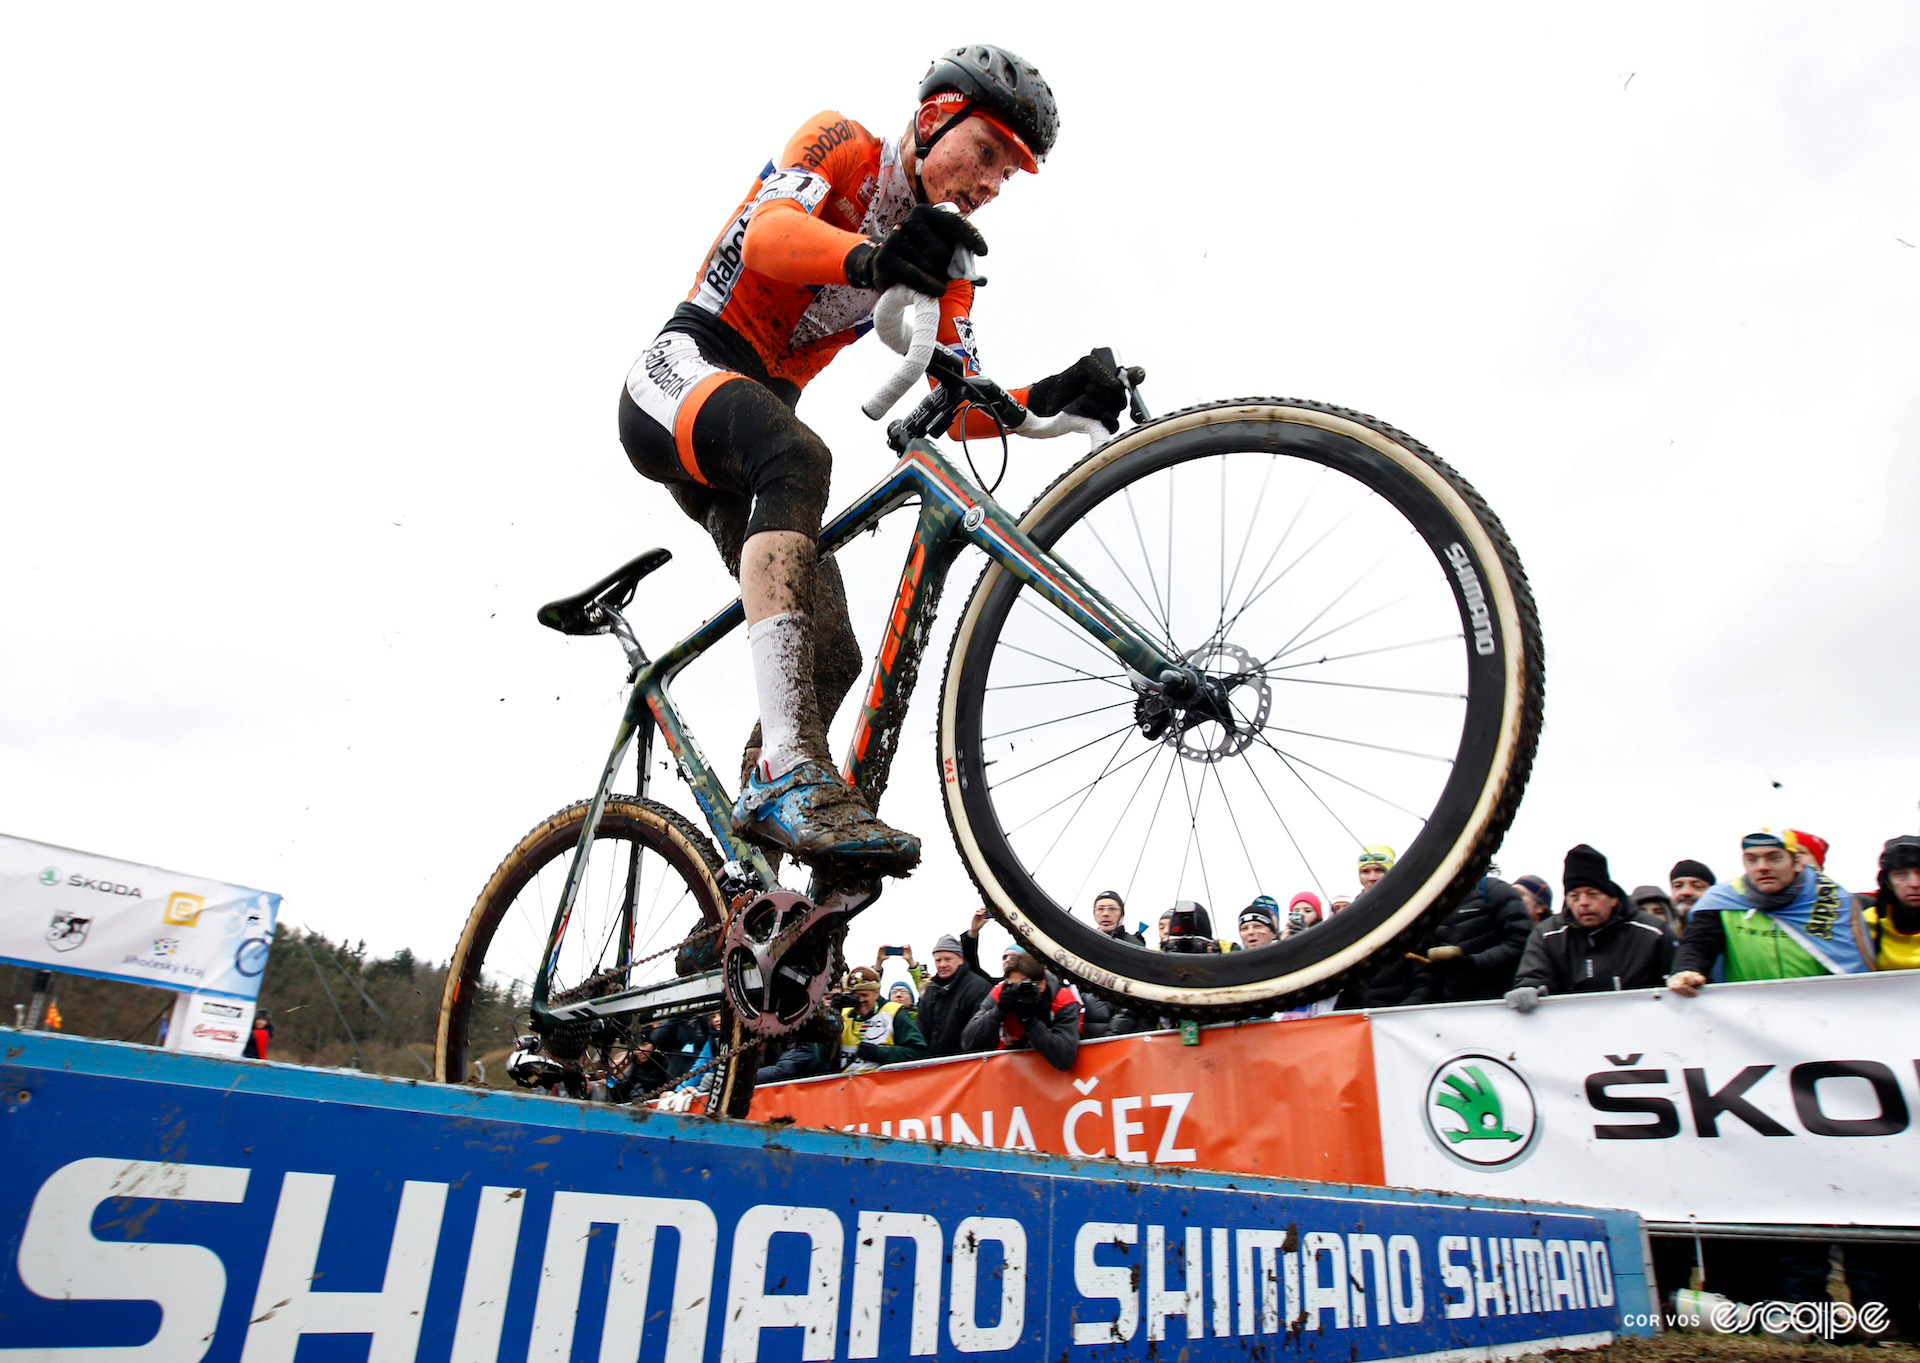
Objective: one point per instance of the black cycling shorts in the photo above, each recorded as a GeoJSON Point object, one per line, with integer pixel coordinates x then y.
{"type": "Point", "coordinates": [686, 417]}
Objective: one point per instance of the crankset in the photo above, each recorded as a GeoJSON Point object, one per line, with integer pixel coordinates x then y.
{"type": "Point", "coordinates": [779, 950]}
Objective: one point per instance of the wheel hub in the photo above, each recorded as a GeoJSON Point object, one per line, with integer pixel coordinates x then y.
{"type": "Point", "coordinates": [1222, 716]}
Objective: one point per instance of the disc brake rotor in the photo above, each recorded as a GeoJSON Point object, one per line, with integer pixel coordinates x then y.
{"type": "Point", "coordinates": [1225, 717]}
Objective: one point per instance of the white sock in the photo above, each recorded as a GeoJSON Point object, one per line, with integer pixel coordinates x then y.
{"type": "Point", "coordinates": [779, 652]}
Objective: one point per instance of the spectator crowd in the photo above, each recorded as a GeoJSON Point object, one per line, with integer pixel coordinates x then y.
{"type": "Point", "coordinates": [1781, 917]}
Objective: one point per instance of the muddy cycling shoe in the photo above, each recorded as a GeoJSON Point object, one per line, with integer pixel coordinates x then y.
{"type": "Point", "coordinates": [814, 814]}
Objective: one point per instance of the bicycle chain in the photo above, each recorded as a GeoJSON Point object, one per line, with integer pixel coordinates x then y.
{"type": "Point", "coordinates": [836, 962]}
{"type": "Point", "coordinates": [590, 987]}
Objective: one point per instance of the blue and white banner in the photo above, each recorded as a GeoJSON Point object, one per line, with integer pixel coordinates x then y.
{"type": "Point", "coordinates": [82, 914]}
{"type": "Point", "coordinates": [1788, 1101]}
{"type": "Point", "coordinates": [253, 1212]}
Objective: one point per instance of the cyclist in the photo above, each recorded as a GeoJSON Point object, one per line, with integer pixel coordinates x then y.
{"type": "Point", "coordinates": [708, 409]}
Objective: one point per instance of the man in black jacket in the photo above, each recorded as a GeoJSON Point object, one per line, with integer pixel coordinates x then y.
{"type": "Point", "coordinates": [1599, 941]}
{"type": "Point", "coordinates": [1478, 945]}
{"type": "Point", "coordinates": [950, 998]}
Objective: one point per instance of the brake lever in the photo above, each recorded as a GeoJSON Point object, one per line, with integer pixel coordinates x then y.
{"type": "Point", "coordinates": [1131, 377]}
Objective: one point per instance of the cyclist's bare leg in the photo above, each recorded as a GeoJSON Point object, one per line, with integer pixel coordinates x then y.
{"type": "Point", "coordinates": [794, 798]}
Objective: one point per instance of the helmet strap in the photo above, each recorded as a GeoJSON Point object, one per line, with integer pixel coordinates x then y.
{"type": "Point", "coordinates": [924, 143]}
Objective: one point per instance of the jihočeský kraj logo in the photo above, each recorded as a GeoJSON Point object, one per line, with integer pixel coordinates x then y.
{"type": "Point", "coordinates": [1481, 1112]}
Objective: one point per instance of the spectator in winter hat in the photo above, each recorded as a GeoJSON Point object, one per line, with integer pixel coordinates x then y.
{"type": "Point", "coordinates": [1783, 919]}
{"type": "Point", "coordinates": [1339, 902]}
{"type": "Point", "coordinates": [1809, 849]}
{"type": "Point", "coordinates": [949, 999]}
{"type": "Point", "coordinates": [1260, 923]}
{"type": "Point", "coordinates": [1375, 861]}
{"type": "Point", "coordinates": [1893, 923]}
{"type": "Point", "coordinates": [1688, 880]}
{"type": "Point", "coordinates": [1656, 901]}
{"type": "Point", "coordinates": [1109, 913]}
{"type": "Point", "coordinates": [1537, 894]}
{"type": "Point", "coordinates": [1303, 911]}
{"type": "Point", "coordinates": [1599, 941]}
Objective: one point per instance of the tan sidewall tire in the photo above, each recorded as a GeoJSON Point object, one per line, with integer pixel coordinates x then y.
{"type": "Point", "coordinates": [1514, 743]}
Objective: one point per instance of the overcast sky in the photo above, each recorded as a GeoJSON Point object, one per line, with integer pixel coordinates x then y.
{"type": "Point", "coordinates": [314, 318]}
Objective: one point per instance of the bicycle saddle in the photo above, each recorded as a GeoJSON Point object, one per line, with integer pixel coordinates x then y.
{"type": "Point", "coordinates": [585, 612]}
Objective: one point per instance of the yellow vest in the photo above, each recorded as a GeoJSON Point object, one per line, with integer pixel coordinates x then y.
{"type": "Point", "coordinates": [855, 1029]}
{"type": "Point", "coordinates": [1898, 950]}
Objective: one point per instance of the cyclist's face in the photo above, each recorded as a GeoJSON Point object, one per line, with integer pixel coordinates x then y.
{"type": "Point", "coordinates": [969, 166]}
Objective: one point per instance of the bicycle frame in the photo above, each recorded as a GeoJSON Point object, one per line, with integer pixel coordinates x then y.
{"type": "Point", "coordinates": [953, 514]}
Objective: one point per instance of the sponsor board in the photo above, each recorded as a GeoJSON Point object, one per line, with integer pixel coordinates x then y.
{"type": "Point", "coordinates": [1138, 1099]}
{"type": "Point", "coordinates": [1789, 1101]}
{"type": "Point", "coordinates": [83, 914]}
{"type": "Point", "coordinates": [276, 1207]}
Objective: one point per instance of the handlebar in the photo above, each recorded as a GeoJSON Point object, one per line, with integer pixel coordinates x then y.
{"type": "Point", "coordinates": [913, 336]}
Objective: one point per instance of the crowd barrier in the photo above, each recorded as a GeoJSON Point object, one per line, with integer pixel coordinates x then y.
{"type": "Point", "coordinates": [170, 1207]}
{"type": "Point", "coordinates": [1787, 1103]}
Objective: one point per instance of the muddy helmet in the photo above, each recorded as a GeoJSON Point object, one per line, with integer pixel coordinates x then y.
{"type": "Point", "coordinates": [1004, 84]}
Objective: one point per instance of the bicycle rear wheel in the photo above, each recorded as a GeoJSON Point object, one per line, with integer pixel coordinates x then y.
{"type": "Point", "coordinates": [1371, 629]}
{"type": "Point", "coordinates": [644, 855]}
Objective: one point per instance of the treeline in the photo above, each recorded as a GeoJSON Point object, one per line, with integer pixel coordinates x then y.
{"type": "Point", "coordinates": [332, 1004]}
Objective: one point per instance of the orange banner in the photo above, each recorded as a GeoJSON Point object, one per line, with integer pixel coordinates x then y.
{"type": "Point", "coordinates": [1292, 1099]}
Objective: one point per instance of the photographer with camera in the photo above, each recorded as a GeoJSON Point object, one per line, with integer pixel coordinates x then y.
{"type": "Point", "coordinates": [1189, 929]}
{"type": "Point", "coordinates": [872, 1033]}
{"type": "Point", "coordinates": [1028, 1008]}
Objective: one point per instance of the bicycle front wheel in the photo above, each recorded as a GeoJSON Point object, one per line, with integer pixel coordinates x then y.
{"type": "Point", "coordinates": [650, 887]}
{"type": "Point", "coordinates": [1376, 670]}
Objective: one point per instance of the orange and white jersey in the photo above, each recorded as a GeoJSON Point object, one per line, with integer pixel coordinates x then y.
{"type": "Point", "coordinates": [775, 274]}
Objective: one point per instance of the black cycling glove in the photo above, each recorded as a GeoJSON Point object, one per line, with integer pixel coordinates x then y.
{"type": "Point", "coordinates": [917, 253]}
{"type": "Point", "coordinates": [1089, 387]}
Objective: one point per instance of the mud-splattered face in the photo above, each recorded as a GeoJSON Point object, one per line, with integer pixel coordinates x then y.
{"type": "Point", "coordinates": [969, 166]}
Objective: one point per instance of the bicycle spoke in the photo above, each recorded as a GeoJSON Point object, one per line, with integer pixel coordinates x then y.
{"type": "Point", "coordinates": [1046, 723]}
{"type": "Point", "coordinates": [1032, 818]}
{"type": "Point", "coordinates": [1057, 681]}
{"type": "Point", "coordinates": [1147, 840]}
{"type": "Point", "coordinates": [1357, 743]}
{"type": "Point", "coordinates": [1362, 686]}
{"type": "Point", "coordinates": [1328, 634]}
{"type": "Point", "coordinates": [1007, 781]}
{"type": "Point", "coordinates": [1015, 648]}
{"type": "Point", "coordinates": [1082, 805]}
{"type": "Point", "coordinates": [1125, 810]}
{"type": "Point", "coordinates": [1132, 585]}
{"type": "Point", "coordinates": [1226, 592]}
{"type": "Point", "coordinates": [1164, 617]}
{"type": "Point", "coordinates": [1269, 669]}
{"type": "Point", "coordinates": [1287, 828]}
{"type": "Point", "coordinates": [1344, 593]}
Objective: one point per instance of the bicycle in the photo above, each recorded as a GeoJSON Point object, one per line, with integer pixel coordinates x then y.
{"type": "Point", "coordinates": [1215, 677]}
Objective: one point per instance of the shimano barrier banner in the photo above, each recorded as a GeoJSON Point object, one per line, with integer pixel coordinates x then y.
{"type": "Point", "coordinates": [82, 914]}
{"type": "Point", "coordinates": [1292, 1099]}
{"type": "Point", "coordinates": [252, 1213]}
{"type": "Point", "coordinates": [1789, 1102]}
